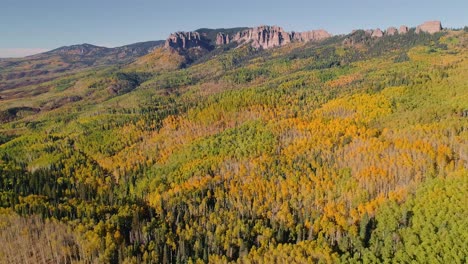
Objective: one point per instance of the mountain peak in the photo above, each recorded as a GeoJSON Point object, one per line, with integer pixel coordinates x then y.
{"type": "Point", "coordinates": [78, 49]}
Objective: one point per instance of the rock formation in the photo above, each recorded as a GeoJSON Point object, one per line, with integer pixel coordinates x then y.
{"type": "Point", "coordinates": [403, 29]}
{"type": "Point", "coordinates": [264, 36]}
{"type": "Point", "coordinates": [185, 40]}
{"type": "Point", "coordinates": [313, 35]}
{"type": "Point", "coordinates": [377, 33]}
{"type": "Point", "coordinates": [374, 33]}
{"type": "Point", "coordinates": [222, 39]}
{"type": "Point", "coordinates": [363, 36]}
{"type": "Point", "coordinates": [270, 36]}
{"type": "Point", "coordinates": [391, 31]}
{"type": "Point", "coordinates": [259, 37]}
{"type": "Point", "coordinates": [430, 27]}
{"type": "Point", "coordinates": [267, 37]}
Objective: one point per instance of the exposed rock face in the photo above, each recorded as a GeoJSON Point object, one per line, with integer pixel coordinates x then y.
{"type": "Point", "coordinates": [374, 33]}
{"type": "Point", "coordinates": [430, 27]}
{"type": "Point", "coordinates": [272, 36]}
{"type": "Point", "coordinates": [267, 37]}
{"type": "Point", "coordinates": [403, 29]}
{"type": "Point", "coordinates": [363, 36]}
{"type": "Point", "coordinates": [377, 33]}
{"type": "Point", "coordinates": [391, 31]}
{"type": "Point", "coordinates": [264, 36]}
{"type": "Point", "coordinates": [259, 37]}
{"type": "Point", "coordinates": [313, 35]}
{"type": "Point", "coordinates": [222, 39]}
{"type": "Point", "coordinates": [184, 40]}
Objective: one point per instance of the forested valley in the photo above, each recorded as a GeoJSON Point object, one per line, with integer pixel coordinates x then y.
{"type": "Point", "coordinates": [318, 152]}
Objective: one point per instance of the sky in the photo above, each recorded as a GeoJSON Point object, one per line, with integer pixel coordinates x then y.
{"type": "Point", "coordinates": [32, 26]}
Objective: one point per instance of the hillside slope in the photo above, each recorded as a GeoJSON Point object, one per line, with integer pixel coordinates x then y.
{"type": "Point", "coordinates": [351, 149]}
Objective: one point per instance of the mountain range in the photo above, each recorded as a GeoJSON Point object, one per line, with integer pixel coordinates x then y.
{"type": "Point", "coordinates": [239, 145]}
{"type": "Point", "coordinates": [192, 45]}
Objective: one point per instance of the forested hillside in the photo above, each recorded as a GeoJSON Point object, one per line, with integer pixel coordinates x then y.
{"type": "Point", "coordinates": [319, 152]}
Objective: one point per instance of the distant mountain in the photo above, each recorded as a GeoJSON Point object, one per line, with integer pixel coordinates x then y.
{"type": "Point", "coordinates": [79, 49]}
{"type": "Point", "coordinates": [64, 60]}
{"type": "Point", "coordinates": [194, 46]}
{"type": "Point", "coordinates": [124, 52]}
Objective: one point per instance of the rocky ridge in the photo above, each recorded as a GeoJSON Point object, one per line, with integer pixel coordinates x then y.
{"type": "Point", "coordinates": [430, 27]}
{"type": "Point", "coordinates": [268, 37]}
{"type": "Point", "coordinates": [403, 29]}
{"type": "Point", "coordinates": [265, 37]}
{"type": "Point", "coordinates": [392, 31]}
{"type": "Point", "coordinates": [313, 35]}
{"type": "Point", "coordinates": [222, 39]}
{"type": "Point", "coordinates": [185, 40]}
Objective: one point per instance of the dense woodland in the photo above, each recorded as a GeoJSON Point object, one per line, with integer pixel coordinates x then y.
{"type": "Point", "coordinates": [308, 153]}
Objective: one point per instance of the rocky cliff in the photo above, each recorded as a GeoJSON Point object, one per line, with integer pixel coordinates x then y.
{"type": "Point", "coordinates": [391, 31]}
{"type": "Point", "coordinates": [267, 37]}
{"type": "Point", "coordinates": [222, 39]}
{"type": "Point", "coordinates": [313, 35]}
{"type": "Point", "coordinates": [430, 27]}
{"type": "Point", "coordinates": [186, 40]}
{"type": "Point", "coordinates": [263, 36]}
{"type": "Point", "coordinates": [403, 29]}
{"type": "Point", "coordinates": [270, 36]}
{"type": "Point", "coordinates": [377, 33]}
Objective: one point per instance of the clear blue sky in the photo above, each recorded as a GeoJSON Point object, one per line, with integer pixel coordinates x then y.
{"type": "Point", "coordinates": [34, 25]}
